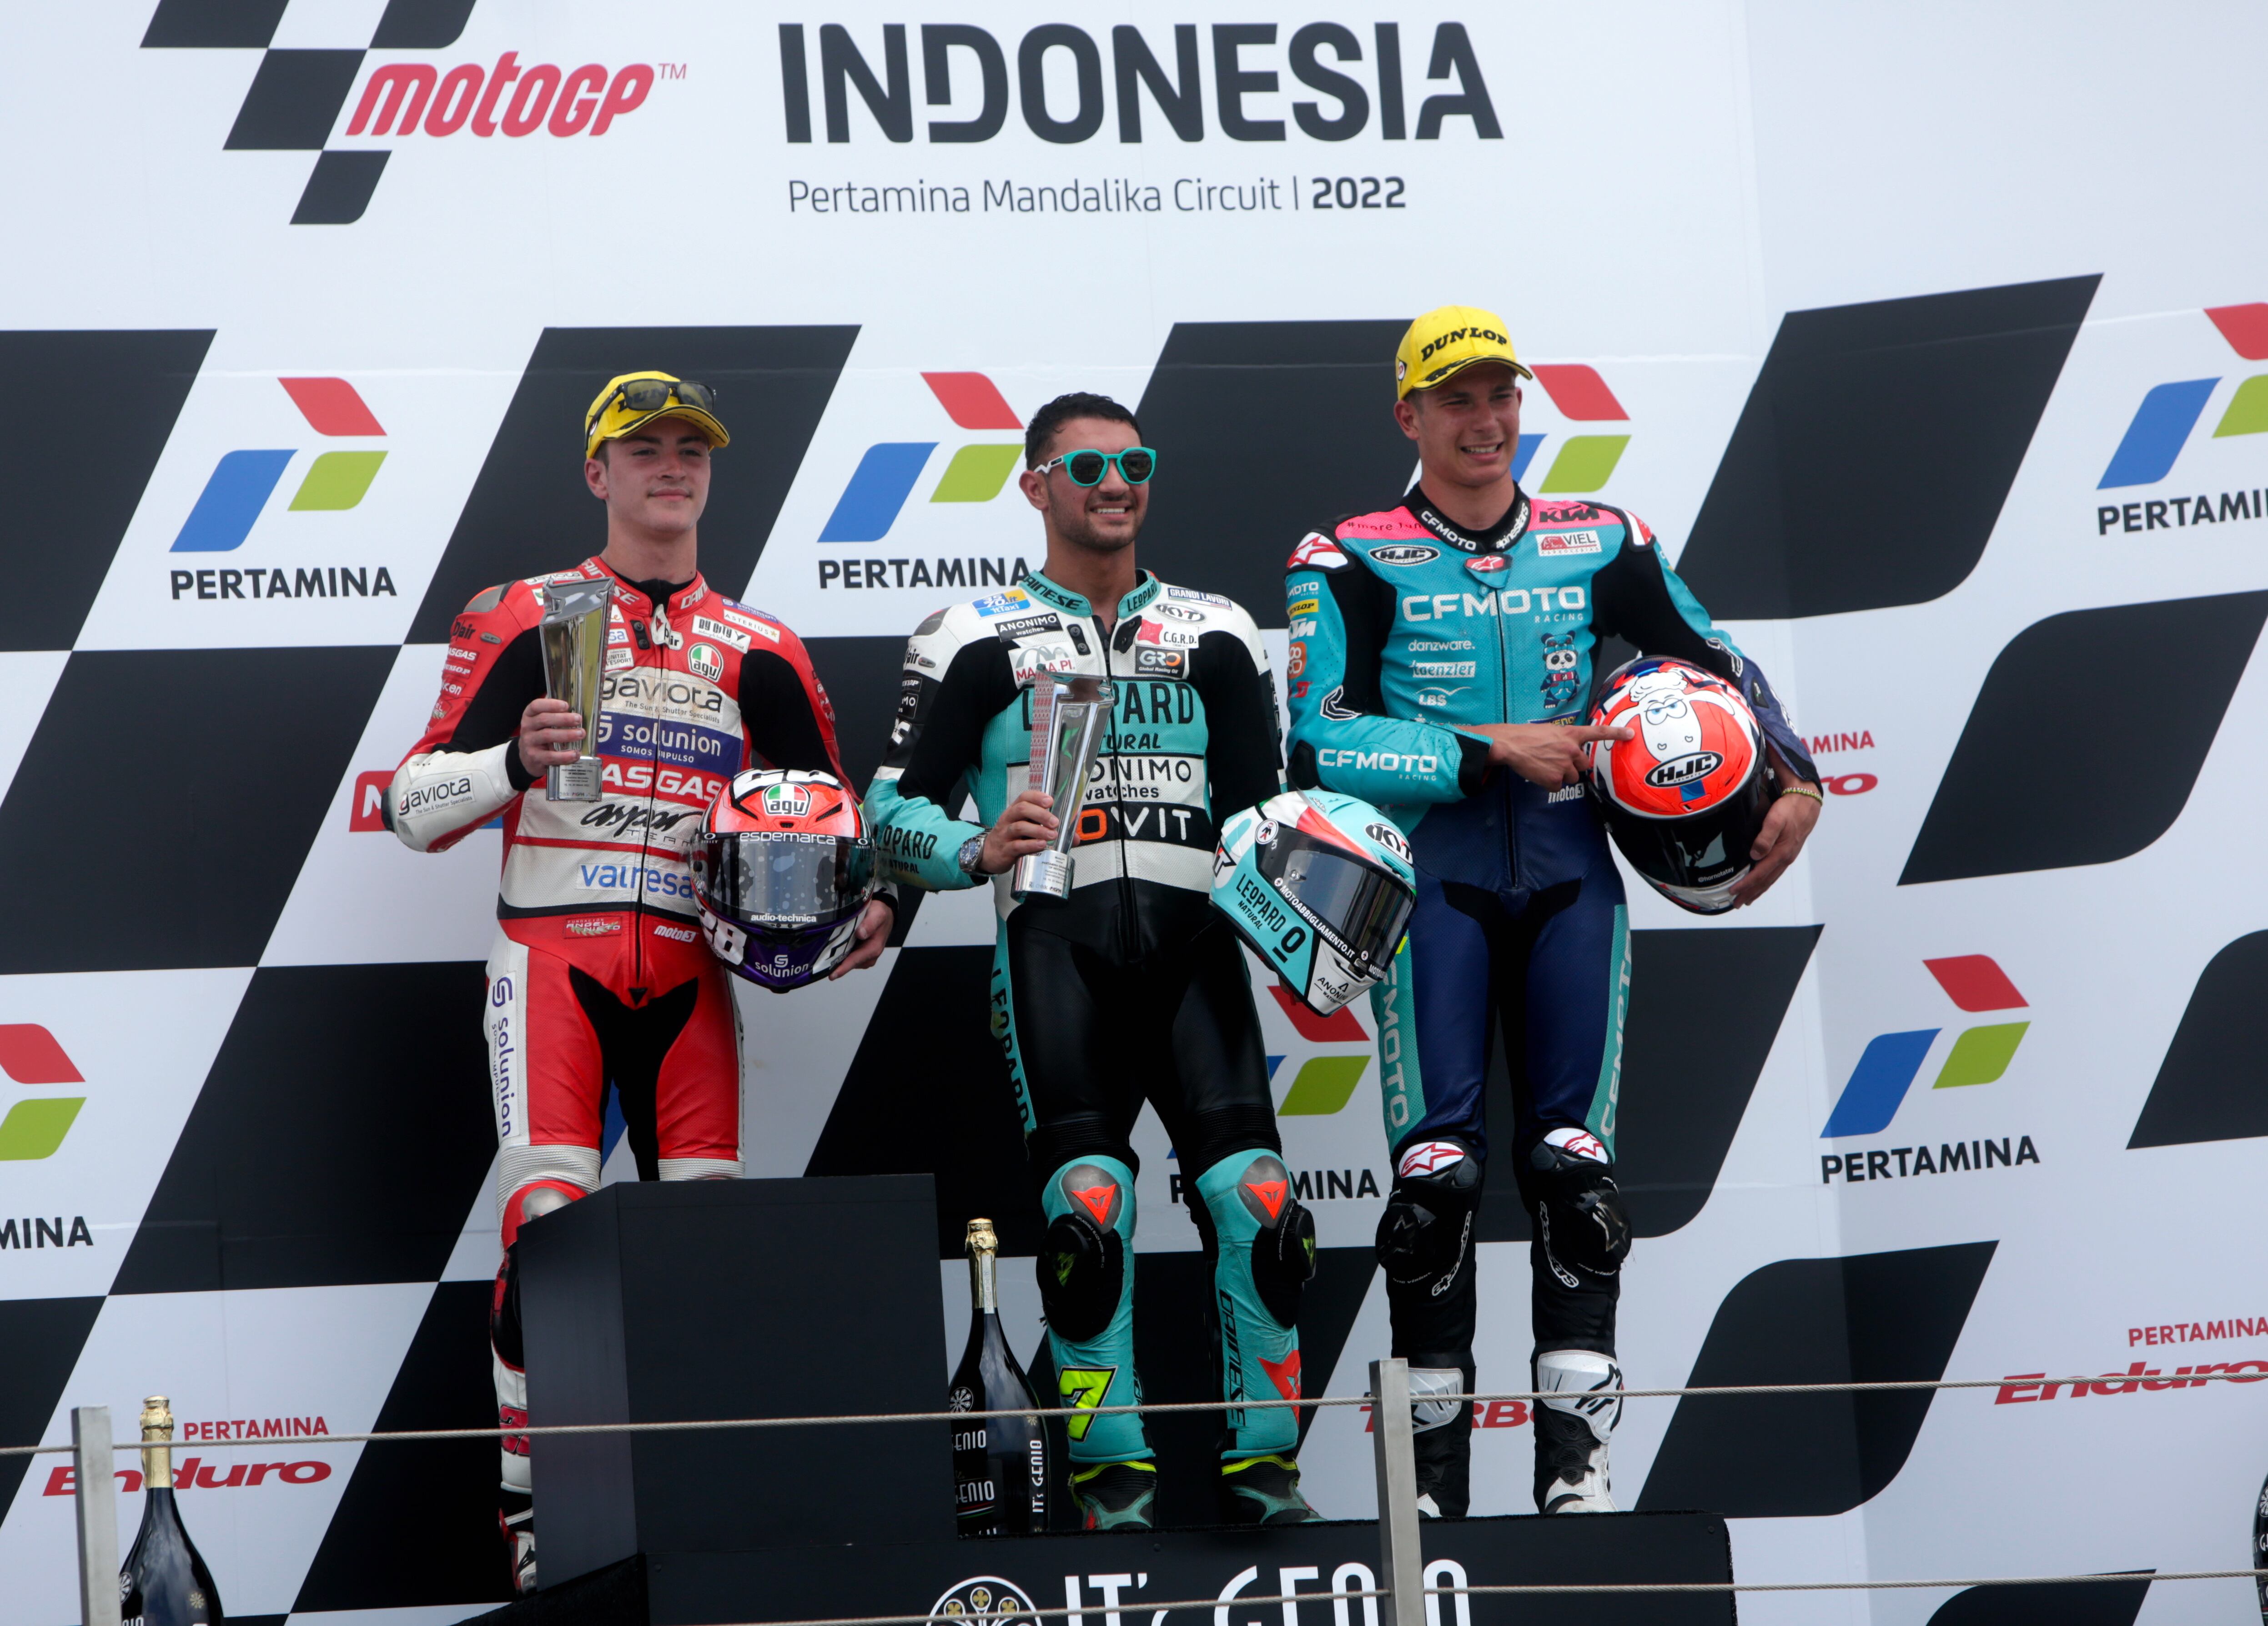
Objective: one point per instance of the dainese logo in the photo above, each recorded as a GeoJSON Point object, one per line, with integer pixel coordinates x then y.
{"type": "Point", "coordinates": [1890, 1063]}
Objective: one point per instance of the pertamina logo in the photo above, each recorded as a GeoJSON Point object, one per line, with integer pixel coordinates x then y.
{"type": "Point", "coordinates": [2161, 429]}
{"type": "Point", "coordinates": [296, 97]}
{"type": "Point", "coordinates": [1891, 1061]}
{"type": "Point", "coordinates": [35, 1127]}
{"type": "Point", "coordinates": [888, 472]}
{"type": "Point", "coordinates": [236, 494]}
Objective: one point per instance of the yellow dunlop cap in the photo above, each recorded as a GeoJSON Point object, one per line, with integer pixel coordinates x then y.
{"type": "Point", "coordinates": [1444, 341]}
{"type": "Point", "coordinates": [611, 416]}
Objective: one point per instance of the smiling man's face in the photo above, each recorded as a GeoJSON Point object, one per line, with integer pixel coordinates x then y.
{"type": "Point", "coordinates": [656, 477]}
{"type": "Point", "coordinates": [1105, 516]}
{"type": "Point", "coordinates": [1467, 427]}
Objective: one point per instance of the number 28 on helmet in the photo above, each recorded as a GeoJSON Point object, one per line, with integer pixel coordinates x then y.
{"type": "Point", "coordinates": [782, 868]}
{"type": "Point", "coordinates": [1685, 798]}
{"type": "Point", "coordinates": [1321, 886]}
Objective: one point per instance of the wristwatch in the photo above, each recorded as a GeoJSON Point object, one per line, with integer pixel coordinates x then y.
{"type": "Point", "coordinates": [971, 854]}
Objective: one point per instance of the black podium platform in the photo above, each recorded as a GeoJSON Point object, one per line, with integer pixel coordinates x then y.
{"type": "Point", "coordinates": [1117, 1579]}
{"type": "Point", "coordinates": [810, 1298]}
{"type": "Point", "coordinates": [680, 1300]}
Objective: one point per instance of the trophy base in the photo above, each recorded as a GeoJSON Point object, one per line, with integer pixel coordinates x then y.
{"type": "Point", "coordinates": [574, 782]}
{"type": "Point", "coordinates": [1042, 875]}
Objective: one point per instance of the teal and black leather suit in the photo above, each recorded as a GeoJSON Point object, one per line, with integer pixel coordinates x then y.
{"type": "Point", "coordinates": [1134, 987]}
{"type": "Point", "coordinates": [1404, 627]}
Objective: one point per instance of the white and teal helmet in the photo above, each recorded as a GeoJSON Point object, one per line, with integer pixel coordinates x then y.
{"type": "Point", "coordinates": [1321, 886]}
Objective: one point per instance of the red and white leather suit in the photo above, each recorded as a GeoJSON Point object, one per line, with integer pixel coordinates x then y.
{"type": "Point", "coordinates": [600, 973]}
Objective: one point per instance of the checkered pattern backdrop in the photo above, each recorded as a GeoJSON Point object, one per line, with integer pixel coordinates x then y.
{"type": "Point", "coordinates": [246, 1146]}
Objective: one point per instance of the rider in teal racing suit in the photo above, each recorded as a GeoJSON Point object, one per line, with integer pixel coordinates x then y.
{"type": "Point", "coordinates": [1134, 986]}
{"type": "Point", "coordinates": [1435, 644]}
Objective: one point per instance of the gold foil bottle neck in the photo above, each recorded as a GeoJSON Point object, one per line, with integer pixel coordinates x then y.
{"type": "Point", "coordinates": [980, 1239]}
{"type": "Point", "coordinates": [156, 1443]}
{"type": "Point", "coordinates": [984, 1263]}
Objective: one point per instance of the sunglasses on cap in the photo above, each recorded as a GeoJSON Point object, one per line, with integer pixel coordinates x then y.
{"type": "Point", "coordinates": [653, 394]}
{"type": "Point", "coordinates": [1136, 465]}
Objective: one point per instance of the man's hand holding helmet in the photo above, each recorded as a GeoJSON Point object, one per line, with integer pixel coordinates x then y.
{"type": "Point", "coordinates": [784, 870]}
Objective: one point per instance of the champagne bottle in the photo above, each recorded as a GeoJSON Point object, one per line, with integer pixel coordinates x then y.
{"type": "Point", "coordinates": [164, 1581]}
{"type": "Point", "coordinates": [999, 1464]}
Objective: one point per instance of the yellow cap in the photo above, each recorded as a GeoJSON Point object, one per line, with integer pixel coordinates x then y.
{"type": "Point", "coordinates": [1448, 340]}
{"type": "Point", "coordinates": [610, 417]}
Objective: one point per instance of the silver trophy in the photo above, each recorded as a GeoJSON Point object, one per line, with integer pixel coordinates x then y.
{"type": "Point", "coordinates": [574, 664]}
{"type": "Point", "coordinates": [1070, 715]}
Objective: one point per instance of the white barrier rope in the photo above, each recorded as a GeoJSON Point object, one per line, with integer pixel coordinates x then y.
{"type": "Point", "coordinates": [2026, 1380]}
{"type": "Point", "coordinates": [1257, 1601]}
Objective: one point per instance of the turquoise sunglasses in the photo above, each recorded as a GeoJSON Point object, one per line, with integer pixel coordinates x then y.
{"type": "Point", "coordinates": [1136, 465]}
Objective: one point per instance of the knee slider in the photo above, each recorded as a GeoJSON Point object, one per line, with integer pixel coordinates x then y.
{"type": "Point", "coordinates": [1425, 1234]}
{"type": "Point", "coordinates": [1082, 1263]}
{"type": "Point", "coordinates": [1284, 1239]}
{"type": "Point", "coordinates": [1579, 1216]}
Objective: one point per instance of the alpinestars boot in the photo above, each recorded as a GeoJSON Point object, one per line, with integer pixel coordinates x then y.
{"type": "Point", "coordinates": [516, 1521]}
{"type": "Point", "coordinates": [1443, 1443]}
{"type": "Point", "coordinates": [1572, 1432]}
{"type": "Point", "coordinates": [1263, 1490]}
{"type": "Point", "coordinates": [1116, 1496]}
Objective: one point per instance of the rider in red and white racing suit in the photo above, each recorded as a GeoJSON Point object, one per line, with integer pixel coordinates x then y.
{"type": "Point", "coordinates": [599, 974]}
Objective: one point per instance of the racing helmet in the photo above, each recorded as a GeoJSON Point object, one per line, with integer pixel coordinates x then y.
{"type": "Point", "coordinates": [1321, 886]}
{"type": "Point", "coordinates": [1685, 798]}
{"type": "Point", "coordinates": [782, 868]}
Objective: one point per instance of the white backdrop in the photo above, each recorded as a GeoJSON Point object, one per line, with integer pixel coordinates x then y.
{"type": "Point", "coordinates": [1669, 183]}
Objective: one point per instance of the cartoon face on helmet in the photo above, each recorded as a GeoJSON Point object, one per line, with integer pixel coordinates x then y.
{"type": "Point", "coordinates": [1321, 886]}
{"type": "Point", "coordinates": [782, 869]}
{"type": "Point", "coordinates": [1685, 798]}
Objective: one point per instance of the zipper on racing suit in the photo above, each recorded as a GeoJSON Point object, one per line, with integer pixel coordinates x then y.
{"type": "Point", "coordinates": [1504, 689]}
{"type": "Point", "coordinates": [1129, 940]}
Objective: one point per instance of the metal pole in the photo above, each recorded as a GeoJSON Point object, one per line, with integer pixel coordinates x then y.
{"type": "Point", "coordinates": [1401, 1563]}
{"type": "Point", "coordinates": [97, 1501]}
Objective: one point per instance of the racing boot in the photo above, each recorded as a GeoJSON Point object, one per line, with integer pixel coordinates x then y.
{"type": "Point", "coordinates": [1443, 1443]}
{"type": "Point", "coordinates": [1263, 1490]}
{"type": "Point", "coordinates": [1572, 1432]}
{"type": "Point", "coordinates": [1116, 1496]}
{"type": "Point", "coordinates": [515, 1520]}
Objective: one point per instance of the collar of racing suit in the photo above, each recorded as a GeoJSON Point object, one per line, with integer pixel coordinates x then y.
{"type": "Point", "coordinates": [1496, 538]}
{"type": "Point", "coordinates": [1146, 587]}
{"type": "Point", "coordinates": [640, 599]}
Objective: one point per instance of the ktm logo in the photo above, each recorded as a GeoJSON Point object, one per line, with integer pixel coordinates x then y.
{"type": "Point", "coordinates": [238, 487]}
{"type": "Point", "coordinates": [36, 1128]}
{"type": "Point", "coordinates": [885, 475]}
{"type": "Point", "coordinates": [2162, 424]}
{"type": "Point", "coordinates": [1890, 1062]}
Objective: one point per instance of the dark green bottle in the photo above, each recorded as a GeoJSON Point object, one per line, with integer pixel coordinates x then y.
{"type": "Point", "coordinates": [164, 1581]}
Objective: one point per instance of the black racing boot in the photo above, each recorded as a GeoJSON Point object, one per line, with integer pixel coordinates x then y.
{"type": "Point", "coordinates": [516, 1521]}
{"type": "Point", "coordinates": [1117, 1495]}
{"type": "Point", "coordinates": [1263, 1490]}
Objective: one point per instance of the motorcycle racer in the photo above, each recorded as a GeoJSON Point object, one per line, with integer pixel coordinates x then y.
{"type": "Point", "coordinates": [1135, 949]}
{"type": "Point", "coordinates": [599, 974]}
{"type": "Point", "coordinates": [1436, 644]}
